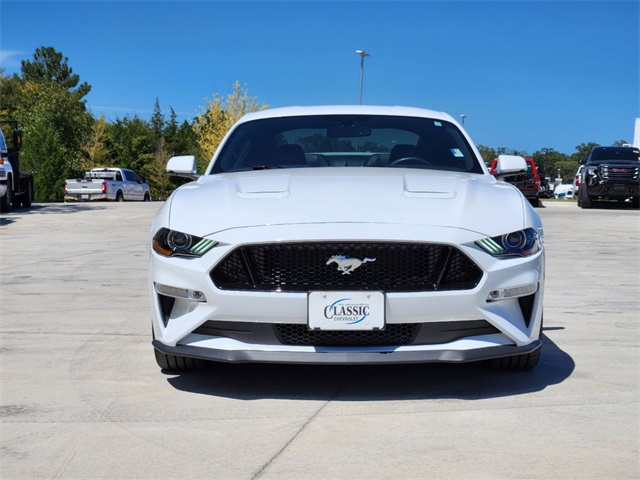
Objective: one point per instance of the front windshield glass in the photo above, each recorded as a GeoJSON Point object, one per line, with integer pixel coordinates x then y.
{"type": "Point", "coordinates": [613, 153]}
{"type": "Point", "coordinates": [347, 141]}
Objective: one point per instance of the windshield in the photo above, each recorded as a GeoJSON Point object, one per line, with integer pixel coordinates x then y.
{"type": "Point", "coordinates": [613, 153]}
{"type": "Point", "coordinates": [347, 141]}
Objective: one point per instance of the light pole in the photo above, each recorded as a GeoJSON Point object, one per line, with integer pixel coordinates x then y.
{"type": "Point", "coordinates": [463, 116]}
{"type": "Point", "coordinates": [362, 54]}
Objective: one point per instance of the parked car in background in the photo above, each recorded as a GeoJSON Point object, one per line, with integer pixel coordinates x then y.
{"type": "Point", "coordinates": [527, 182]}
{"type": "Point", "coordinates": [346, 235]}
{"type": "Point", "coordinates": [610, 173]}
{"type": "Point", "coordinates": [564, 191]}
{"type": "Point", "coordinates": [119, 184]}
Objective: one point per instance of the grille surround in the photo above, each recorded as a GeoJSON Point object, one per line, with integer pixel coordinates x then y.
{"type": "Point", "coordinates": [304, 267]}
{"type": "Point", "coordinates": [615, 172]}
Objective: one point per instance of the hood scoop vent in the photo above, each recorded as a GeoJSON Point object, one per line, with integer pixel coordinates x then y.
{"type": "Point", "coordinates": [429, 187]}
{"type": "Point", "coordinates": [263, 187]}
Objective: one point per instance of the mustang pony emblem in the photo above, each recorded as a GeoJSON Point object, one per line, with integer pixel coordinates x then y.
{"type": "Point", "coordinates": [346, 265]}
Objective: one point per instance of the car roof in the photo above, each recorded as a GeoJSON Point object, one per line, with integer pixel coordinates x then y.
{"type": "Point", "coordinates": [346, 110]}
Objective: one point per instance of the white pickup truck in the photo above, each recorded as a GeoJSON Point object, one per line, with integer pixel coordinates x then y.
{"type": "Point", "coordinates": [117, 184]}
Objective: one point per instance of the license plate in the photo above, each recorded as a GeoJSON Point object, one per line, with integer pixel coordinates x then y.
{"type": "Point", "coordinates": [618, 188]}
{"type": "Point", "coordinates": [85, 197]}
{"type": "Point", "coordinates": [346, 310]}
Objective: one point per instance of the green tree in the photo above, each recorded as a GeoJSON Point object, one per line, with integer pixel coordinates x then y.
{"type": "Point", "coordinates": [488, 154]}
{"type": "Point", "coordinates": [131, 143]}
{"type": "Point", "coordinates": [94, 146]}
{"type": "Point", "coordinates": [185, 141]}
{"type": "Point", "coordinates": [155, 171]}
{"type": "Point", "coordinates": [219, 116]}
{"type": "Point", "coordinates": [157, 122]}
{"type": "Point", "coordinates": [547, 160]}
{"type": "Point", "coordinates": [583, 150]}
{"type": "Point", "coordinates": [53, 118]}
{"type": "Point", "coordinates": [171, 127]}
{"type": "Point", "coordinates": [48, 65]}
{"type": "Point", "coordinates": [567, 169]}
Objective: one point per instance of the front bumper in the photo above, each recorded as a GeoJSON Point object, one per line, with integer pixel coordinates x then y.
{"type": "Point", "coordinates": [85, 197]}
{"type": "Point", "coordinates": [614, 190]}
{"type": "Point", "coordinates": [348, 356]}
{"type": "Point", "coordinates": [181, 327]}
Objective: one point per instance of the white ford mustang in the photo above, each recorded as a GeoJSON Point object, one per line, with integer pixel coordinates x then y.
{"type": "Point", "coordinates": [347, 235]}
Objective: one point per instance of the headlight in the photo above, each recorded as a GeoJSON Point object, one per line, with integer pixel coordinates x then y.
{"type": "Point", "coordinates": [515, 244]}
{"type": "Point", "coordinates": [592, 176]}
{"type": "Point", "coordinates": [173, 243]}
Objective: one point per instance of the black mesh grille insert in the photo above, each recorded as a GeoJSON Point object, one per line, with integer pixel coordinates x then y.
{"type": "Point", "coordinates": [388, 267]}
{"type": "Point", "coordinates": [393, 334]}
{"type": "Point", "coordinates": [399, 334]}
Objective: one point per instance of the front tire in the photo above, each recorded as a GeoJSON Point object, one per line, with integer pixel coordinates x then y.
{"type": "Point", "coordinates": [5, 201]}
{"type": "Point", "coordinates": [516, 363]}
{"type": "Point", "coordinates": [586, 199]}
{"type": "Point", "coordinates": [174, 363]}
{"type": "Point", "coordinates": [27, 196]}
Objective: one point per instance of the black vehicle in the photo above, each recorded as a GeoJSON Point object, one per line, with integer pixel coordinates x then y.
{"type": "Point", "coordinates": [16, 186]}
{"type": "Point", "coordinates": [611, 173]}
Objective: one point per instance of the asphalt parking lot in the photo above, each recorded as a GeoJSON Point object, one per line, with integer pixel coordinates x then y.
{"type": "Point", "coordinates": [82, 396]}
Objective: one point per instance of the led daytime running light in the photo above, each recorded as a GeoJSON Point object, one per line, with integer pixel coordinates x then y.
{"type": "Point", "coordinates": [490, 246]}
{"type": "Point", "coordinates": [203, 246]}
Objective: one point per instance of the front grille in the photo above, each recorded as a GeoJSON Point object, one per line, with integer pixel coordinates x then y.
{"type": "Point", "coordinates": [620, 173]}
{"type": "Point", "coordinates": [396, 334]}
{"type": "Point", "coordinates": [393, 334]}
{"type": "Point", "coordinates": [388, 267]}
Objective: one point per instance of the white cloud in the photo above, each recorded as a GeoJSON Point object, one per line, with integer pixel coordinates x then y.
{"type": "Point", "coordinates": [10, 58]}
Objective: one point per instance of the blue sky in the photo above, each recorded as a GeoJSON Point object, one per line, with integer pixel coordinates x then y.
{"type": "Point", "coordinates": [527, 74]}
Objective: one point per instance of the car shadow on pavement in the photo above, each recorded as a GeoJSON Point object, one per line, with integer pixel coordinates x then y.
{"type": "Point", "coordinates": [468, 381]}
{"type": "Point", "coordinates": [47, 209]}
{"type": "Point", "coordinates": [604, 205]}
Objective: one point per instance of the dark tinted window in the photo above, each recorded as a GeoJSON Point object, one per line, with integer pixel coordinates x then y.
{"type": "Point", "coordinates": [347, 141]}
{"type": "Point", "coordinates": [613, 153]}
{"type": "Point", "coordinates": [131, 176]}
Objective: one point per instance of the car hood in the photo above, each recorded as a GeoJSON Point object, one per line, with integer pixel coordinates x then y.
{"type": "Point", "coordinates": [220, 202]}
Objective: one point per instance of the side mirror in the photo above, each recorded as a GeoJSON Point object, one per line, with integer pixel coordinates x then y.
{"type": "Point", "coordinates": [183, 166]}
{"type": "Point", "coordinates": [510, 165]}
{"type": "Point", "coordinates": [582, 161]}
